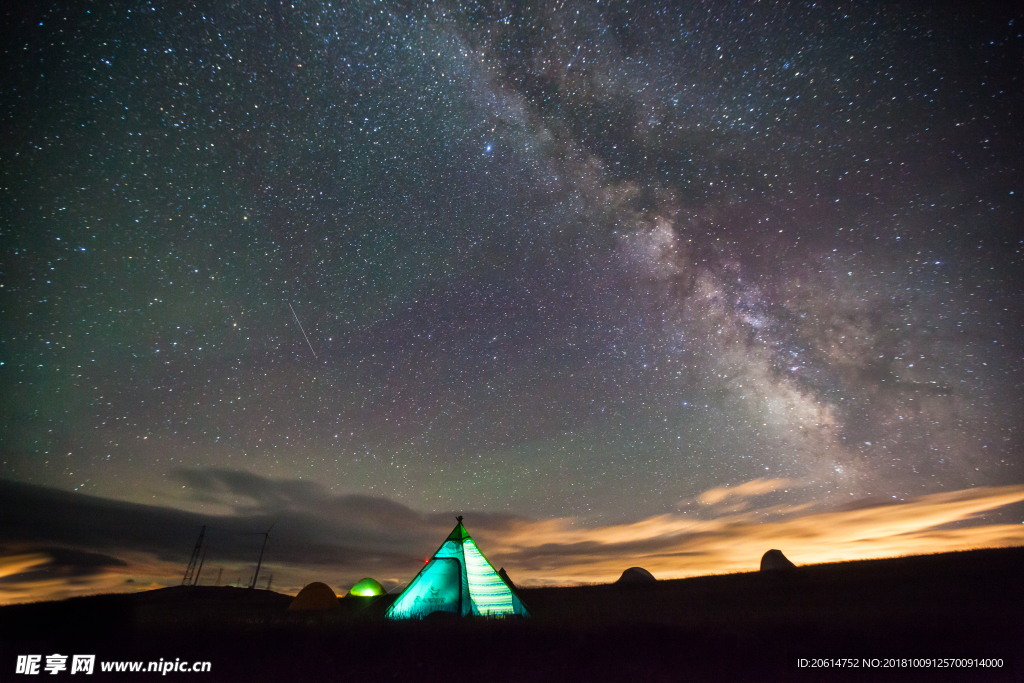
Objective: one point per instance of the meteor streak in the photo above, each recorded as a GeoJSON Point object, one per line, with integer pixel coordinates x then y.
{"type": "Point", "coordinates": [302, 330]}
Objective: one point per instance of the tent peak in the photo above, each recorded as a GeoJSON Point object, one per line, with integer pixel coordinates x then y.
{"type": "Point", "coordinates": [459, 518]}
{"type": "Point", "coordinates": [459, 533]}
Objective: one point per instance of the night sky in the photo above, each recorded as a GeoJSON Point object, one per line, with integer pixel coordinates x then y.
{"type": "Point", "coordinates": [537, 261]}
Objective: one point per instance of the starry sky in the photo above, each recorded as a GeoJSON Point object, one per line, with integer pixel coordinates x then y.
{"type": "Point", "coordinates": [570, 263]}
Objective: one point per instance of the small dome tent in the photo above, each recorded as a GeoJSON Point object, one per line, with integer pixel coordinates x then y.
{"type": "Point", "coordinates": [315, 596]}
{"type": "Point", "coordinates": [367, 588]}
{"type": "Point", "coordinates": [458, 580]}
{"type": "Point", "coordinates": [774, 559]}
{"type": "Point", "coordinates": [636, 575]}
{"type": "Point", "coordinates": [504, 577]}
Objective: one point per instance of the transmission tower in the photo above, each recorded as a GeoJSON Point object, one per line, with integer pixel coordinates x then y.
{"type": "Point", "coordinates": [191, 569]}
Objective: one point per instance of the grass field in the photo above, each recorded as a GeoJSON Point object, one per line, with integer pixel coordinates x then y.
{"type": "Point", "coordinates": [752, 626]}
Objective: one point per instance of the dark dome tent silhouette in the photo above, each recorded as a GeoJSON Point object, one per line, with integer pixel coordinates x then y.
{"type": "Point", "coordinates": [636, 575]}
{"type": "Point", "coordinates": [774, 560]}
{"type": "Point", "coordinates": [457, 580]}
{"type": "Point", "coordinates": [315, 596]}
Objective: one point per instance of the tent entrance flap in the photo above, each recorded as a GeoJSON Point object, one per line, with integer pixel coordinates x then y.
{"type": "Point", "coordinates": [437, 588]}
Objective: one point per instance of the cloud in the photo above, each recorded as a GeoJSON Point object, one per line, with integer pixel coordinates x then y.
{"type": "Point", "coordinates": [675, 546]}
{"type": "Point", "coordinates": [56, 573]}
{"type": "Point", "coordinates": [216, 485]}
{"type": "Point", "coordinates": [757, 487]}
{"type": "Point", "coordinates": [315, 532]}
{"type": "Point", "coordinates": [63, 543]}
{"type": "Point", "coordinates": [16, 564]}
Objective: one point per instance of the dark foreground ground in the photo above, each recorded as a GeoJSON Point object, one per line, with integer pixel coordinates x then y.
{"type": "Point", "coordinates": [740, 627]}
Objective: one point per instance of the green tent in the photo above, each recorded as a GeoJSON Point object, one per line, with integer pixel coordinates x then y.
{"type": "Point", "coordinates": [367, 588]}
{"type": "Point", "coordinates": [457, 579]}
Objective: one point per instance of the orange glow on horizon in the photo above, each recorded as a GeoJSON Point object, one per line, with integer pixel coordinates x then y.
{"type": "Point", "coordinates": [677, 545]}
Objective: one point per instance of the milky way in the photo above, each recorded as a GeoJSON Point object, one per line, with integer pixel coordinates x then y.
{"type": "Point", "coordinates": [551, 259]}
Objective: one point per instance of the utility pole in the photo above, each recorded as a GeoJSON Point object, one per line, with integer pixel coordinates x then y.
{"type": "Point", "coordinates": [266, 537]}
{"type": "Point", "coordinates": [191, 569]}
{"type": "Point", "coordinates": [219, 575]}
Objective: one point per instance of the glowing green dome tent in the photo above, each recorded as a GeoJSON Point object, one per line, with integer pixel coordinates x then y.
{"type": "Point", "coordinates": [457, 579]}
{"type": "Point", "coordinates": [366, 588]}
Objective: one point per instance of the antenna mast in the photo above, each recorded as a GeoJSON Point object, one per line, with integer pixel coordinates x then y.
{"type": "Point", "coordinates": [195, 581]}
{"type": "Point", "coordinates": [266, 537]}
{"type": "Point", "coordinates": [190, 571]}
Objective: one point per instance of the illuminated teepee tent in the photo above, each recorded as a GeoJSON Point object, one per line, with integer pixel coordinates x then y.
{"type": "Point", "coordinates": [457, 579]}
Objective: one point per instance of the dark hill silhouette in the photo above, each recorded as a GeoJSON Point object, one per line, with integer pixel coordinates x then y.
{"type": "Point", "coordinates": [749, 626]}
